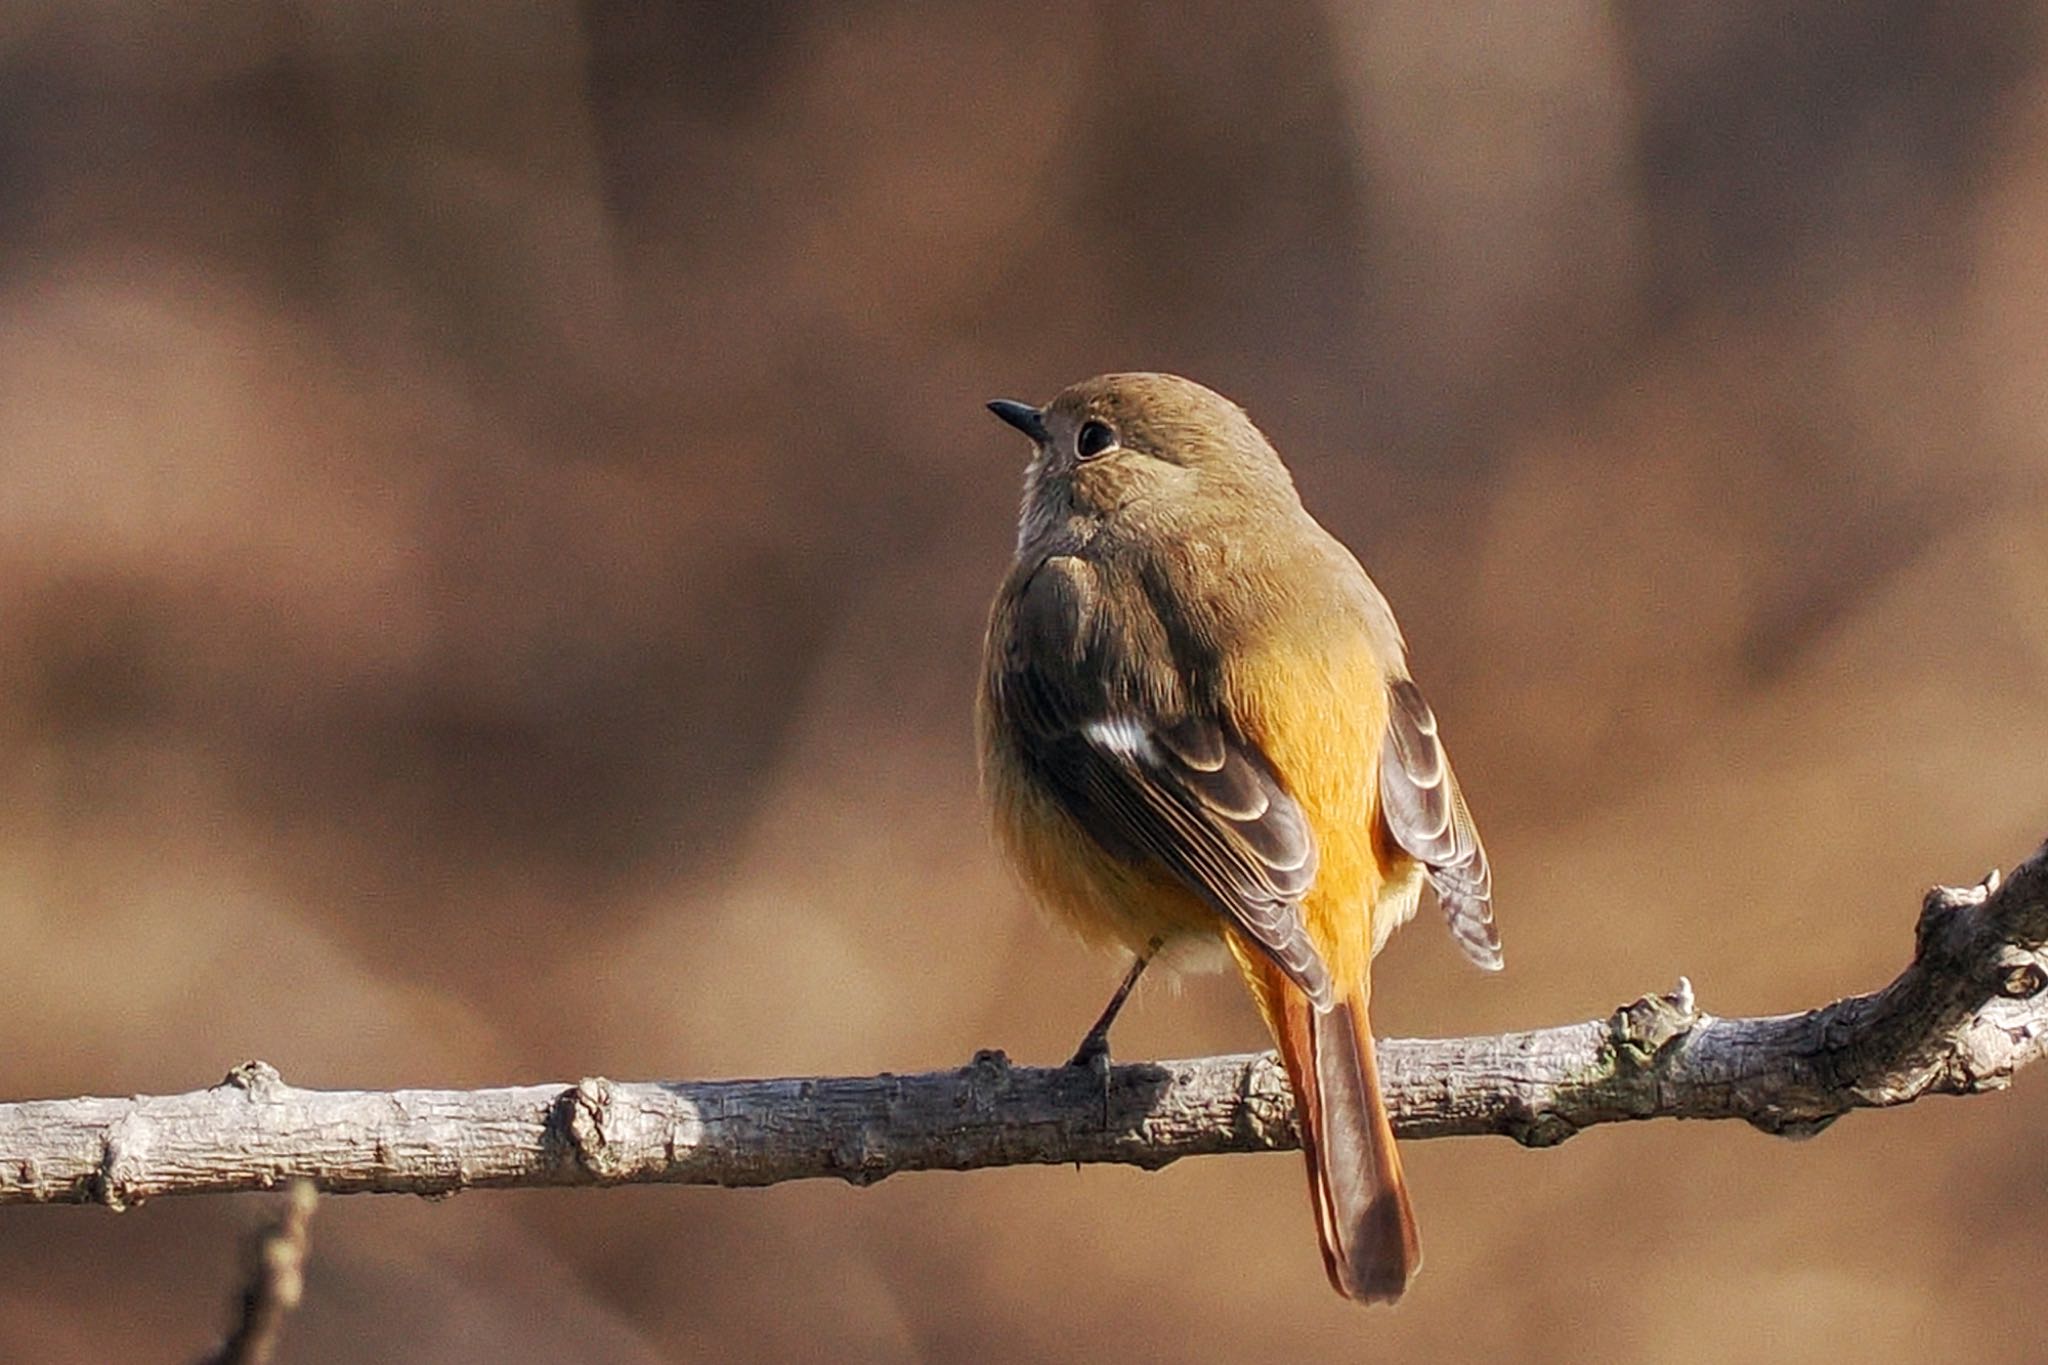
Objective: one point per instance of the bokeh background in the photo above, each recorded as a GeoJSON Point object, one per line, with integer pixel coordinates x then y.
{"type": "Point", "coordinates": [495, 520]}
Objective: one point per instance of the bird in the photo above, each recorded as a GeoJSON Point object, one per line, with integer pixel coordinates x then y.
{"type": "Point", "coordinates": [1200, 743]}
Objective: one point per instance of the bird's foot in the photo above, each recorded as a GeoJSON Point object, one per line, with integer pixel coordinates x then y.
{"type": "Point", "coordinates": [1093, 1056]}
{"type": "Point", "coordinates": [1093, 1052]}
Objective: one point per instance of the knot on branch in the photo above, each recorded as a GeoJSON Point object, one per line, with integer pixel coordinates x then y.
{"type": "Point", "coordinates": [988, 1076]}
{"type": "Point", "coordinates": [1540, 1128]}
{"type": "Point", "coordinates": [1796, 1127]}
{"type": "Point", "coordinates": [124, 1161]}
{"type": "Point", "coordinates": [257, 1079]}
{"type": "Point", "coordinates": [583, 1117]}
{"type": "Point", "coordinates": [1646, 1026]}
{"type": "Point", "coordinates": [2022, 981]}
{"type": "Point", "coordinates": [1946, 928]}
{"type": "Point", "coordinates": [861, 1156]}
{"type": "Point", "coordinates": [1264, 1110]}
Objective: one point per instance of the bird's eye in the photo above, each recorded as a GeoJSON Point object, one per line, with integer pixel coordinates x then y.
{"type": "Point", "coordinates": [1094, 439]}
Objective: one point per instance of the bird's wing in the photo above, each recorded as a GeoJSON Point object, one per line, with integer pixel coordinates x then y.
{"type": "Point", "coordinates": [1426, 814]}
{"type": "Point", "coordinates": [1182, 791]}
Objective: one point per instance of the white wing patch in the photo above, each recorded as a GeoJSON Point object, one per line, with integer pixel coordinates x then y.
{"type": "Point", "coordinates": [1125, 736]}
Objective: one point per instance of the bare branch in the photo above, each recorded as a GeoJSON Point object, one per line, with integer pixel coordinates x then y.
{"type": "Point", "coordinates": [1968, 1012]}
{"type": "Point", "coordinates": [277, 1280]}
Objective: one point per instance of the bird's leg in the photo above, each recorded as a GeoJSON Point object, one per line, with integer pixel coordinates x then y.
{"type": "Point", "coordinates": [1094, 1050]}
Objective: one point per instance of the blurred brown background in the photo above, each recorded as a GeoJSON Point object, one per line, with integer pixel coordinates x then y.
{"type": "Point", "coordinates": [495, 518]}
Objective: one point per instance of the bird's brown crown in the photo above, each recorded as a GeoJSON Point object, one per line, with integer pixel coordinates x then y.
{"type": "Point", "coordinates": [1164, 417]}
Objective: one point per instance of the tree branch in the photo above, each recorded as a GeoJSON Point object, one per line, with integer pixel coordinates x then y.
{"type": "Point", "coordinates": [1968, 1012]}
{"type": "Point", "coordinates": [277, 1281]}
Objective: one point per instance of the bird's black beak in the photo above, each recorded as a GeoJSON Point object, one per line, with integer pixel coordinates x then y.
{"type": "Point", "coordinates": [1022, 416]}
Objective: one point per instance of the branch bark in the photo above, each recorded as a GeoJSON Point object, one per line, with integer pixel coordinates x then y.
{"type": "Point", "coordinates": [1967, 1013]}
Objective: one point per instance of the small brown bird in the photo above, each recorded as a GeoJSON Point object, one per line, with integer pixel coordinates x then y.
{"type": "Point", "coordinates": [1198, 731]}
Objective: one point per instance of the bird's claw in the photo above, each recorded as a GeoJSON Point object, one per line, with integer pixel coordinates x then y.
{"type": "Point", "coordinates": [1093, 1055]}
{"type": "Point", "coordinates": [1093, 1052]}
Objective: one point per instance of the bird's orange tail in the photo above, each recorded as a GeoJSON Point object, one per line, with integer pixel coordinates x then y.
{"type": "Point", "coordinates": [1354, 1173]}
